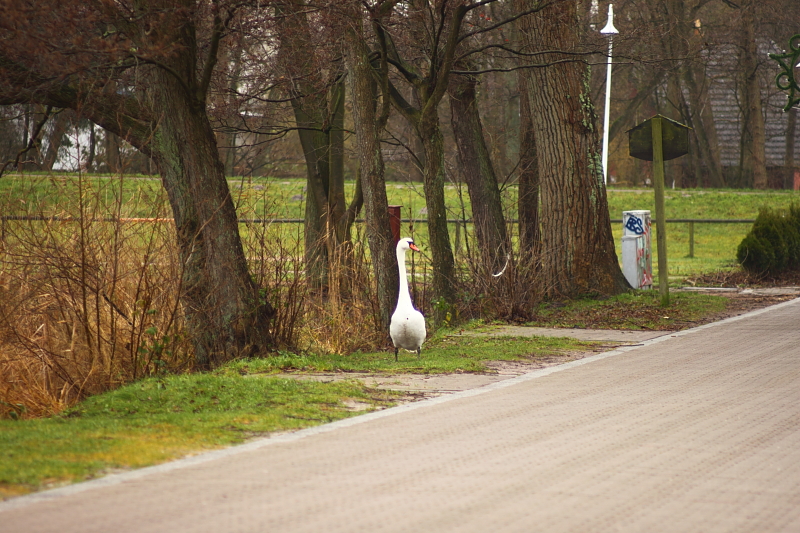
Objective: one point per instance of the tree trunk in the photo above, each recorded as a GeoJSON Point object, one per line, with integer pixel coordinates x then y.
{"type": "Point", "coordinates": [679, 113]}
{"type": "Point", "coordinates": [478, 171]}
{"type": "Point", "coordinates": [438, 234]}
{"type": "Point", "coordinates": [578, 255]}
{"type": "Point", "coordinates": [224, 313]}
{"type": "Point", "coordinates": [368, 126]}
{"type": "Point", "coordinates": [55, 137]}
{"type": "Point", "coordinates": [319, 113]}
{"type": "Point", "coordinates": [788, 162]}
{"type": "Point", "coordinates": [753, 143]}
{"type": "Point", "coordinates": [92, 148]}
{"type": "Point", "coordinates": [699, 115]}
{"type": "Point", "coordinates": [528, 182]}
{"type": "Point", "coordinates": [112, 158]}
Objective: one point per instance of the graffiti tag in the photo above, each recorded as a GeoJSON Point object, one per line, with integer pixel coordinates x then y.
{"type": "Point", "coordinates": [634, 224]}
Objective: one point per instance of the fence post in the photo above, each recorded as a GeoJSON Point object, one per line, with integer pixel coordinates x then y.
{"type": "Point", "coordinates": [691, 239]}
{"type": "Point", "coordinates": [394, 221]}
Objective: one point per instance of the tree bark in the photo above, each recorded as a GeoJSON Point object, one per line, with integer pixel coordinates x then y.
{"type": "Point", "coordinates": [55, 137]}
{"type": "Point", "coordinates": [578, 255]}
{"type": "Point", "coordinates": [682, 46]}
{"type": "Point", "coordinates": [318, 106]}
{"type": "Point", "coordinates": [528, 181]}
{"type": "Point", "coordinates": [753, 157]}
{"type": "Point", "coordinates": [444, 270]}
{"type": "Point", "coordinates": [478, 171]}
{"type": "Point", "coordinates": [111, 153]}
{"type": "Point", "coordinates": [429, 89]}
{"type": "Point", "coordinates": [225, 315]}
{"type": "Point", "coordinates": [788, 162]}
{"type": "Point", "coordinates": [368, 125]}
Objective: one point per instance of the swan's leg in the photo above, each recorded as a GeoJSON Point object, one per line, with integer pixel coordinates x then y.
{"type": "Point", "coordinates": [419, 352]}
{"type": "Point", "coordinates": [395, 354]}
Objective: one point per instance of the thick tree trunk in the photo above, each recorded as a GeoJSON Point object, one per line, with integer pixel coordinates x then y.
{"type": "Point", "coordinates": [753, 144]}
{"type": "Point", "coordinates": [578, 254]}
{"type": "Point", "coordinates": [528, 182]}
{"type": "Point", "coordinates": [376, 206]}
{"type": "Point", "coordinates": [478, 171]}
{"type": "Point", "coordinates": [111, 151]}
{"type": "Point", "coordinates": [225, 315]}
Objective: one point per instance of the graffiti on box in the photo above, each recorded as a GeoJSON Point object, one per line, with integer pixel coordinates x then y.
{"type": "Point", "coordinates": [635, 224]}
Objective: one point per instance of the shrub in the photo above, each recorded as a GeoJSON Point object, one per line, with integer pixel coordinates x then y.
{"type": "Point", "coordinates": [773, 244]}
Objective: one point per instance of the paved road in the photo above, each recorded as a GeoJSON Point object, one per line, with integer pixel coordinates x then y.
{"type": "Point", "coordinates": [693, 432]}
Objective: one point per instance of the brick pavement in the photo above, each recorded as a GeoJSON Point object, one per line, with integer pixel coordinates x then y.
{"type": "Point", "coordinates": [697, 431]}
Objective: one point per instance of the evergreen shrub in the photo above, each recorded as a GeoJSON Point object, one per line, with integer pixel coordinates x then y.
{"type": "Point", "coordinates": [773, 244]}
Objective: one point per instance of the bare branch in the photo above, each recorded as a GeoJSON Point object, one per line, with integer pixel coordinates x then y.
{"type": "Point", "coordinates": [502, 22]}
{"type": "Point", "coordinates": [36, 131]}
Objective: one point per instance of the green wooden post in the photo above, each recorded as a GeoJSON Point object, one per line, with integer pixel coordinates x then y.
{"type": "Point", "coordinates": [691, 239]}
{"type": "Point", "coordinates": [661, 219]}
{"type": "Point", "coordinates": [660, 139]}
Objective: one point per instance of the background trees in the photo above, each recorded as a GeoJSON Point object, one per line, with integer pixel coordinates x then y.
{"type": "Point", "coordinates": [704, 63]}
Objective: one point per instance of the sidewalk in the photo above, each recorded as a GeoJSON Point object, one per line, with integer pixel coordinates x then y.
{"type": "Point", "coordinates": [695, 431]}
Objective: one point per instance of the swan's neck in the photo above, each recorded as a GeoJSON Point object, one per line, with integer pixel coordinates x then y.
{"type": "Point", "coordinates": [404, 297]}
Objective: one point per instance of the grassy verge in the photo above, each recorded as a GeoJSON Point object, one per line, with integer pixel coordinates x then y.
{"type": "Point", "coordinates": [637, 311]}
{"type": "Point", "coordinates": [160, 419]}
{"type": "Point", "coordinates": [157, 420]}
{"type": "Point", "coordinates": [444, 354]}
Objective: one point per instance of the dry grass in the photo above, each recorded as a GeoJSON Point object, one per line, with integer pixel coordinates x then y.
{"type": "Point", "coordinates": [91, 303]}
{"type": "Point", "coordinates": [84, 307]}
{"type": "Point", "coordinates": [88, 304]}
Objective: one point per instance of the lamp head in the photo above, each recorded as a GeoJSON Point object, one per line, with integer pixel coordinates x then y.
{"type": "Point", "coordinates": [609, 29]}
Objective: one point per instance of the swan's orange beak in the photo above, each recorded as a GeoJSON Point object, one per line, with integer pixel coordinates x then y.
{"type": "Point", "coordinates": [413, 246]}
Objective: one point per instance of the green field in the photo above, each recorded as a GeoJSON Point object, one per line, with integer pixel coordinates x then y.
{"type": "Point", "coordinates": [266, 198]}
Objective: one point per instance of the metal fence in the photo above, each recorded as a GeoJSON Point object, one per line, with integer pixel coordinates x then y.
{"type": "Point", "coordinates": [458, 222]}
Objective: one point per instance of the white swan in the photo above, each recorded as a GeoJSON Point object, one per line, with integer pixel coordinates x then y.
{"type": "Point", "coordinates": [407, 327]}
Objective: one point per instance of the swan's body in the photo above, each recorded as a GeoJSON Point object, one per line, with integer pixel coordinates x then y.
{"type": "Point", "coordinates": [407, 327]}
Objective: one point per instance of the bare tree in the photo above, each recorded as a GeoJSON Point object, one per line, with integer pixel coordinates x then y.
{"type": "Point", "coordinates": [370, 121]}
{"type": "Point", "coordinates": [577, 254]}
{"type": "Point", "coordinates": [80, 55]}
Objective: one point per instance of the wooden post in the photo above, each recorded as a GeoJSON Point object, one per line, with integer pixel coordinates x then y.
{"type": "Point", "coordinates": [661, 219]}
{"type": "Point", "coordinates": [691, 239]}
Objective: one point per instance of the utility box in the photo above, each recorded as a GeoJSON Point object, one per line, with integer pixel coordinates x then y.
{"type": "Point", "coordinates": [637, 256]}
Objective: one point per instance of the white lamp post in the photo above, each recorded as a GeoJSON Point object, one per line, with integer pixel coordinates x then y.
{"type": "Point", "coordinates": [609, 30]}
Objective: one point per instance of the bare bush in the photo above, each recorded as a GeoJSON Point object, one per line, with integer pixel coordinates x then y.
{"type": "Point", "coordinates": [88, 302]}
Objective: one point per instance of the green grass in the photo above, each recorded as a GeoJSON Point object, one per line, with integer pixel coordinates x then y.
{"type": "Point", "coordinates": [714, 244]}
{"type": "Point", "coordinates": [445, 353]}
{"type": "Point", "coordinates": [159, 419]}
